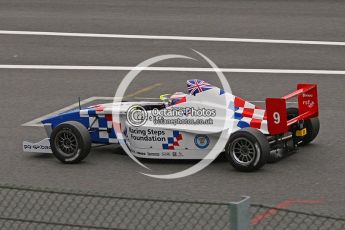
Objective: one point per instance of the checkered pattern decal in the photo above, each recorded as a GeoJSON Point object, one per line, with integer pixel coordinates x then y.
{"type": "Point", "coordinates": [248, 115]}
{"type": "Point", "coordinates": [173, 141]}
{"type": "Point", "coordinates": [104, 123]}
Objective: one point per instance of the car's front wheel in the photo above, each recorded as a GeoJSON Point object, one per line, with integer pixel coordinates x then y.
{"type": "Point", "coordinates": [70, 142]}
{"type": "Point", "coordinates": [247, 149]}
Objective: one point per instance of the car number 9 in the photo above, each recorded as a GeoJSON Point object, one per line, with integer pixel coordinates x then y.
{"type": "Point", "coordinates": [276, 117]}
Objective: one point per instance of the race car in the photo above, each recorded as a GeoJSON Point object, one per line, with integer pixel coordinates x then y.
{"type": "Point", "coordinates": [257, 135]}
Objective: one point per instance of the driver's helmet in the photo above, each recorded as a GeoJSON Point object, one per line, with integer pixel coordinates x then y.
{"type": "Point", "coordinates": [177, 98]}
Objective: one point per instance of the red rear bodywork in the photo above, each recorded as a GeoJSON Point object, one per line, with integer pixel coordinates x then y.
{"type": "Point", "coordinates": [277, 121]}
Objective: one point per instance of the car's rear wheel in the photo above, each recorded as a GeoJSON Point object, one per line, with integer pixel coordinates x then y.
{"type": "Point", "coordinates": [70, 142]}
{"type": "Point", "coordinates": [312, 125]}
{"type": "Point", "coordinates": [247, 149]}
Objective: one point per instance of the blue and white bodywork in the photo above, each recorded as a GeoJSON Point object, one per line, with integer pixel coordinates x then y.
{"type": "Point", "coordinates": [70, 134]}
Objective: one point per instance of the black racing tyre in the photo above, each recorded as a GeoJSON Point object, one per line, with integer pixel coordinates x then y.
{"type": "Point", "coordinates": [312, 125]}
{"type": "Point", "coordinates": [247, 149]}
{"type": "Point", "coordinates": [70, 142]}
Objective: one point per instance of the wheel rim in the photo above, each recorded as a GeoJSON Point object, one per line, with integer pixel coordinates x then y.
{"type": "Point", "coordinates": [243, 151]}
{"type": "Point", "coordinates": [66, 143]}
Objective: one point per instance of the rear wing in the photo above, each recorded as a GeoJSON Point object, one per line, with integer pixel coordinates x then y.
{"type": "Point", "coordinates": [308, 107]}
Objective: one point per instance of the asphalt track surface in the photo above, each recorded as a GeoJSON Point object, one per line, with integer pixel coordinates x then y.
{"type": "Point", "coordinates": [316, 172]}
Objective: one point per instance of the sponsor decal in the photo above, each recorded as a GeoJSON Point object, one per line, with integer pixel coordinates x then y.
{"type": "Point", "coordinates": [140, 153]}
{"type": "Point", "coordinates": [177, 154]}
{"type": "Point", "coordinates": [153, 154]}
{"type": "Point", "coordinates": [36, 147]}
{"type": "Point", "coordinates": [201, 141]}
{"type": "Point", "coordinates": [309, 103]}
{"type": "Point", "coordinates": [307, 95]}
{"type": "Point", "coordinates": [42, 146]}
{"type": "Point", "coordinates": [150, 135]}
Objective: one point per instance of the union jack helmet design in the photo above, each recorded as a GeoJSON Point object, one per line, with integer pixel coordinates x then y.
{"type": "Point", "coordinates": [196, 86]}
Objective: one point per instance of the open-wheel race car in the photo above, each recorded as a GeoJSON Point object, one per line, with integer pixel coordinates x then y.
{"type": "Point", "coordinates": [257, 135]}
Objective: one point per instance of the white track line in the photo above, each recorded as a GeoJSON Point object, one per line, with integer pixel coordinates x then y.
{"type": "Point", "coordinates": [179, 69]}
{"type": "Point", "coordinates": [183, 38]}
